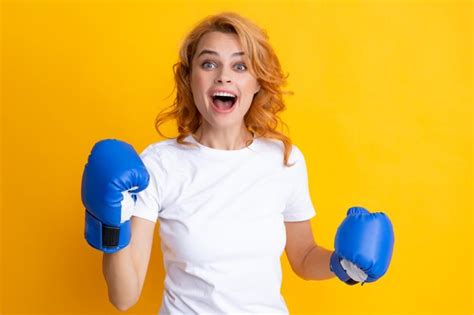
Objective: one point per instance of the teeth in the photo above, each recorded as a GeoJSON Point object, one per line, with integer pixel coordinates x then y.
{"type": "Point", "coordinates": [223, 94]}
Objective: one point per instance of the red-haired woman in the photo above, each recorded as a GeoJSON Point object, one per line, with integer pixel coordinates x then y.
{"type": "Point", "coordinates": [230, 192]}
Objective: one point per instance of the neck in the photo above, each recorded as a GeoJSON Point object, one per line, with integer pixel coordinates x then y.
{"type": "Point", "coordinates": [224, 139]}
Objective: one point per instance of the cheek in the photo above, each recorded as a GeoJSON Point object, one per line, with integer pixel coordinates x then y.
{"type": "Point", "coordinates": [198, 87]}
{"type": "Point", "coordinates": [195, 82]}
{"type": "Point", "coordinates": [250, 88]}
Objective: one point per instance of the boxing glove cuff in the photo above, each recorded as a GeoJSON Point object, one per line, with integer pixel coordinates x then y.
{"type": "Point", "coordinates": [336, 267]}
{"type": "Point", "coordinates": [108, 239]}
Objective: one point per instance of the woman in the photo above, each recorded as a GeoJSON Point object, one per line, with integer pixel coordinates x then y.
{"type": "Point", "coordinates": [231, 192]}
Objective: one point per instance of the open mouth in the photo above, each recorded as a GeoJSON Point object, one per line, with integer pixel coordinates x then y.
{"type": "Point", "coordinates": [224, 102]}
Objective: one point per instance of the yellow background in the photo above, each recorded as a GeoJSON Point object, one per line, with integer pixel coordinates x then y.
{"type": "Point", "coordinates": [382, 111]}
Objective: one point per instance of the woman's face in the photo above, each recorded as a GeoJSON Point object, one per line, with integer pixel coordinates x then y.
{"type": "Point", "coordinates": [219, 66]}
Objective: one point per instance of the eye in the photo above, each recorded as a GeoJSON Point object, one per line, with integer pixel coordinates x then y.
{"type": "Point", "coordinates": [241, 67]}
{"type": "Point", "coordinates": [205, 63]}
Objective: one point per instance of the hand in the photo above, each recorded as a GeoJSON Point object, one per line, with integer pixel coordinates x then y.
{"type": "Point", "coordinates": [113, 174]}
{"type": "Point", "coordinates": [363, 246]}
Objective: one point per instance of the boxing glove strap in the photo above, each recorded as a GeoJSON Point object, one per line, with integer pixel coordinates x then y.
{"type": "Point", "coordinates": [106, 238]}
{"type": "Point", "coordinates": [110, 236]}
{"type": "Point", "coordinates": [336, 267]}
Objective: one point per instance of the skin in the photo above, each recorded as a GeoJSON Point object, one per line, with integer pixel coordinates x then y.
{"type": "Point", "coordinates": [228, 132]}
{"type": "Point", "coordinates": [228, 70]}
{"type": "Point", "coordinates": [125, 270]}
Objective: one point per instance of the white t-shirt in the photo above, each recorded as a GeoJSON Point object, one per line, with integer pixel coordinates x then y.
{"type": "Point", "coordinates": [222, 229]}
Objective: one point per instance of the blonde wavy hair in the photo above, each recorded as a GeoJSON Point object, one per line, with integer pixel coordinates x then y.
{"type": "Point", "coordinates": [262, 117]}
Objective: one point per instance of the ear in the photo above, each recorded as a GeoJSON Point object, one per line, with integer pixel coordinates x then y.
{"type": "Point", "coordinates": [258, 89]}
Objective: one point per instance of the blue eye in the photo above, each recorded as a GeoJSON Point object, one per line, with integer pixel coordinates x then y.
{"type": "Point", "coordinates": [207, 62]}
{"type": "Point", "coordinates": [242, 68]}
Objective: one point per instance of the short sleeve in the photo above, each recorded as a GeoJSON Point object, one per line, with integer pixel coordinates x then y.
{"type": "Point", "coordinates": [299, 206]}
{"type": "Point", "coordinates": [149, 201]}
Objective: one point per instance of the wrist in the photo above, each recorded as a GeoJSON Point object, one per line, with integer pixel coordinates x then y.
{"type": "Point", "coordinates": [338, 269]}
{"type": "Point", "coordinates": [106, 238]}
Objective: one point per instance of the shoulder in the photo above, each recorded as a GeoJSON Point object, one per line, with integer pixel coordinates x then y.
{"type": "Point", "coordinates": [277, 146]}
{"type": "Point", "coordinates": [158, 147]}
{"type": "Point", "coordinates": [296, 154]}
{"type": "Point", "coordinates": [166, 152]}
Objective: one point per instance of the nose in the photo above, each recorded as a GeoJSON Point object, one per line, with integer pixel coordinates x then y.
{"type": "Point", "coordinates": [223, 76]}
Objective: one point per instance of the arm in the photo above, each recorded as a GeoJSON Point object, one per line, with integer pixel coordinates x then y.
{"type": "Point", "coordinates": [316, 264]}
{"type": "Point", "coordinates": [125, 270]}
{"type": "Point", "coordinates": [308, 260]}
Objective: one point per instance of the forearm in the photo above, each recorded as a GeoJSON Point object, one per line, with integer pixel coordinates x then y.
{"type": "Point", "coordinates": [316, 264]}
{"type": "Point", "coordinates": [121, 277]}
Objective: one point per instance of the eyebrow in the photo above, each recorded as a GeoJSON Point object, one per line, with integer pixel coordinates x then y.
{"type": "Point", "coordinates": [212, 52]}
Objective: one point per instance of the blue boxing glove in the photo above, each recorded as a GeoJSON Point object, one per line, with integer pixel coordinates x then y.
{"type": "Point", "coordinates": [363, 246]}
{"type": "Point", "coordinates": [112, 176]}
